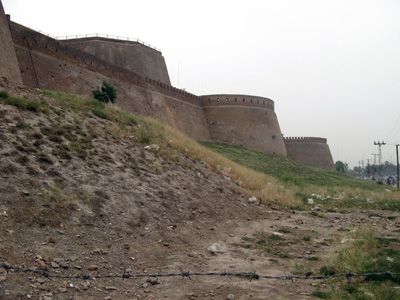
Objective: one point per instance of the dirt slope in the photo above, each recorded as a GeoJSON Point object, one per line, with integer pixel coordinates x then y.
{"type": "Point", "coordinates": [77, 198]}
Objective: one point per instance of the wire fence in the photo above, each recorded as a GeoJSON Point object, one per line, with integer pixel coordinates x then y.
{"type": "Point", "coordinates": [188, 274]}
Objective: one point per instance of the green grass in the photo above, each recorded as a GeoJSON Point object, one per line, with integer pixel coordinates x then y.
{"type": "Point", "coordinates": [364, 254]}
{"type": "Point", "coordinates": [34, 105]}
{"type": "Point", "coordinates": [285, 169]}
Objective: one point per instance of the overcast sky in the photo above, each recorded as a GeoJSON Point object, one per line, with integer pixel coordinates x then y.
{"type": "Point", "coordinates": [331, 66]}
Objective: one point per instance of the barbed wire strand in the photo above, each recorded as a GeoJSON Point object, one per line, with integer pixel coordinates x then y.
{"type": "Point", "coordinates": [188, 274]}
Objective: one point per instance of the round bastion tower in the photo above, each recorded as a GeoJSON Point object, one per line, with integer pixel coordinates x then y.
{"type": "Point", "coordinates": [244, 120]}
{"type": "Point", "coordinates": [312, 151]}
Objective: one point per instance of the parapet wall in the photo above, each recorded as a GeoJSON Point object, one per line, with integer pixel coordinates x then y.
{"type": "Point", "coordinates": [244, 120]}
{"type": "Point", "coordinates": [305, 140]}
{"type": "Point", "coordinates": [237, 100]}
{"type": "Point", "coordinates": [8, 60]}
{"type": "Point", "coordinates": [131, 55]}
{"type": "Point", "coordinates": [312, 151]}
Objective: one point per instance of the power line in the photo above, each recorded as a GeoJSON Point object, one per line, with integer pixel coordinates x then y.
{"type": "Point", "coordinates": [391, 131]}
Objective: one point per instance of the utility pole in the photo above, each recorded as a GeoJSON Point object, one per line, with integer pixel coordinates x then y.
{"type": "Point", "coordinates": [373, 166]}
{"type": "Point", "coordinates": [368, 169]}
{"type": "Point", "coordinates": [397, 155]}
{"type": "Point", "coordinates": [379, 144]}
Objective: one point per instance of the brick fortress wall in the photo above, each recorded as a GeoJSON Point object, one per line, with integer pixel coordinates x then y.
{"type": "Point", "coordinates": [8, 60]}
{"type": "Point", "coordinates": [48, 64]}
{"type": "Point", "coordinates": [312, 151]}
{"type": "Point", "coordinates": [243, 120]}
{"type": "Point", "coordinates": [70, 66]}
{"type": "Point", "coordinates": [131, 55]}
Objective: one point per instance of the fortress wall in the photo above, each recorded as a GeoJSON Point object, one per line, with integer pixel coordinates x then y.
{"type": "Point", "coordinates": [131, 55]}
{"type": "Point", "coordinates": [172, 91]}
{"type": "Point", "coordinates": [186, 117]}
{"type": "Point", "coordinates": [248, 124]}
{"type": "Point", "coordinates": [34, 41]}
{"type": "Point", "coordinates": [8, 60]}
{"type": "Point", "coordinates": [49, 65]}
{"type": "Point", "coordinates": [311, 151]}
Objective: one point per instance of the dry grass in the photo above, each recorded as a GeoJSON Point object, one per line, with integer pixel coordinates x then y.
{"type": "Point", "coordinates": [264, 187]}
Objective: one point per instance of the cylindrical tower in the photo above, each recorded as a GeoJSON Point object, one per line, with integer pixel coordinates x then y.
{"type": "Point", "coordinates": [244, 120]}
{"type": "Point", "coordinates": [312, 151]}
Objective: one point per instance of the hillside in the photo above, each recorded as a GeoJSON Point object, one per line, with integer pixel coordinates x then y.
{"type": "Point", "coordinates": [88, 189]}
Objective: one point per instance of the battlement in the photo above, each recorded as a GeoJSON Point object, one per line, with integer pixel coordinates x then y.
{"type": "Point", "coordinates": [305, 140]}
{"type": "Point", "coordinates": [237, 100]}
{"type": "Point", "coordinates": [167, 89]}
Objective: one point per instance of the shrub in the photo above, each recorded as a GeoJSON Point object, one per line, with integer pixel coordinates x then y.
{"type": "Point", "coordinates": [108, 93]}
{"type": "Point", "coordinates": [4, 95]}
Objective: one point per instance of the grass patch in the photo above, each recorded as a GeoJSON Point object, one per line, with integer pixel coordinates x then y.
{"type": "Point", "coordinates": [365, 254]}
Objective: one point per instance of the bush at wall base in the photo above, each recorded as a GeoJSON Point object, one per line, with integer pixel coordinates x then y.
{"type": "Point", "coordinates": [108, 93]}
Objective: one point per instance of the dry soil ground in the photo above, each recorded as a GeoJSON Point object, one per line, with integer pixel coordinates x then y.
{"type": "Point", "coordinates": [105, 205]}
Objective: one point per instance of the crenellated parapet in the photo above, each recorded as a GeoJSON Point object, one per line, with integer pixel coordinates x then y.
{"type": "Point", "coordinates": [305, 140]}
{"type": "Point", "coordinates": [169, 90]}
{"type": "Point", "coordinates": [237, 100]}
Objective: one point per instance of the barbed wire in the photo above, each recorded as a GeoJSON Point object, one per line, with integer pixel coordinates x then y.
{"type": "Point", "coordinates": [188, 274]}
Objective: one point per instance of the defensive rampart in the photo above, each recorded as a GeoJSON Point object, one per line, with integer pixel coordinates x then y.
{"type": "Point", "coordinates": [244, 120]}
{"type": "Point", "coordinates": [48, 64]}
{"type": "Point", "coordinates": [312, 151]}
{"type": "Point", "coordinates": [141, 77]}
{"type": "Point", "coordinates": [8, 60]}
{"type": "Point", "coordinates": [131, 55]}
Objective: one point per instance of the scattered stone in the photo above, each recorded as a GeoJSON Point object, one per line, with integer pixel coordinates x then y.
{"type": "Point", "coordinates": [238, 183]}
{"type": "Point", "coordinates": [216, 248]}
{"type": "Point", "coordinates": [155, 147]}
{"type": "Point", "coordinates": [54, 265]}
{"type": "Point", "coordinates": [110, 288]}
{"type": "Point", "coordinates": [63, 264]}
{"type": "Point", "coordinates": [62, 290]}
{"type": "Point", "coordinates": [277, 234]}
{"type": "Point", "coordinates": [310, 201]}
{"type": "Point", "coordinates": [93, 268]}
{"type": "Point", "coordinates": [41, 280]}
{"type": "Point", "coordinates": [3, 278]}
{"type": "Point", "coordinates": [230, 297]}
{"type": "Point", "coordinates": [51, 240]}
{"type": "Point", "coordinates": [253, 200]}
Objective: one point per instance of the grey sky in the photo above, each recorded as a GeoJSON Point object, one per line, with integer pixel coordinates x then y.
{"type": "Point", "coordinates": [331, 66]}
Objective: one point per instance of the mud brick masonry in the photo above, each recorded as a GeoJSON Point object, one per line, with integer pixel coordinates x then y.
{"type": "Point", "coordinates": [140, 74]}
